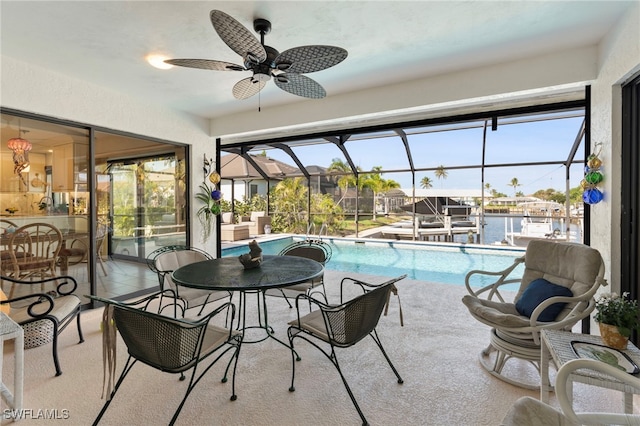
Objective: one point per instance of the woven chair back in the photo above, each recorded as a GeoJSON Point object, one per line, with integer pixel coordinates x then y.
{"type": "Point", "coordinates": [314, 250]}
{"type": "Point", "coordinates": [166, 260]}
{"type": "Point", "coordinates": [352, 321]}
{"type": "Point", "coordinates": [159, 341]}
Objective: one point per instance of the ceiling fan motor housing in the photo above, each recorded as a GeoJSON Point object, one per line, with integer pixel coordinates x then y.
{"type": "Point", "coordinates": [262, 26]}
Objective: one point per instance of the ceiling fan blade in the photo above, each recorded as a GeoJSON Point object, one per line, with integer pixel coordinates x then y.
{"type": "Point", "coordinates": [206, 64]}
{"type": "Point", "coordinates": [247, 87]}
{"type": "Point", "coordinates": [237, 36]}
{"type": "Point", "coordinates": [306, 59]}
{"type": "Point", "coordinates": [300, 85]}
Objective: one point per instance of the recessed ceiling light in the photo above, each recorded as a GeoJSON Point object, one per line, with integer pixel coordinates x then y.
{"type": "Point", "coordinates": [158, 61]}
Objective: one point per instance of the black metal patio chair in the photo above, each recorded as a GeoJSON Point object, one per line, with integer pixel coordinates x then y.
{"type": "Point", "coordinates": [171, 345]}
{"type": "Point", "coordinates": [314, 249]}
{"type": "Point", "coordinates": [165, 260]}
{"type": "Point", "coordinates": [342, 326]}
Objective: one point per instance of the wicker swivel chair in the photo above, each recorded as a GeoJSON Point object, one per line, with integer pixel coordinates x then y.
{"type": "Point", "coordinates": [342, 326]}
{"type": "Point", "coordinates": [171, 345]}
{"type": "Point", "coordinates": [311, 249]}
{"type": "Point", "coordinates": [530, 411]}
{"type": "Point", "coordinates": [557, 276]}
{"type": "Point", "coordinates": [44, 317]}
{"type": "Point", "coordinates": [165, 260]}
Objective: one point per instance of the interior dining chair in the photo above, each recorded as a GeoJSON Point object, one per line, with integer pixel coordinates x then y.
{"type": "Point", "coordinates": [5, 224]}
{"type": "Point", "coordinates": [42, 316]}
{"type": "Point", "coordinates": [165, 260]}
{"type": "Point", "coordinates": [33, 253]}
{"type": "Point", "coordinates": [170, 345]}
{"type": "Point", "coordinates": [342, 326]}
{"type": "Point", "coordinates": [556, 291]}
{"type": "Point", "coordinates": [316, 250]}
{"type": "Point", "coordinates": [73, 252]}
{"type": "Point", "coordinates": [76, 250]}
{"type": "Point", "coordinates": [6, 228]}
{"type": "Point", "coordinates": [531, 411]}
{"type": "Point", "coordinates": [102, 230]}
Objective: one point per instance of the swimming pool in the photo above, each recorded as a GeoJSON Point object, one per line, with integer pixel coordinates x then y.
{"type": "Point", "coordinates": [425, 262]}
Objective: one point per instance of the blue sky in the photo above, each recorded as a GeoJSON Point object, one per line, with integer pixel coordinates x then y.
{"type": "Point", "coordinates": [539, 141]}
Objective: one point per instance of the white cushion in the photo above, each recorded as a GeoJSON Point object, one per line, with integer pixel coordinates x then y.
{"type": "Point", "coordinates": [227, 217]}
{"type": "Point", "coordinates": [256, 215]}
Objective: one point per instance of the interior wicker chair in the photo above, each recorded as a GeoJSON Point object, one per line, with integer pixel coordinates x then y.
{"type": "Point", "coordinates": [76, 250]}
{"type": "Point", "coordinates": [530, 411]}
{"type": "Point", "coordinates": [6, 228]}
{"type": "Point", "coordinates": [165, 260]}
{"type": "Point", "coordinates": [44, 317]}
{"type": "Point", "coordinates": [102, 230]}
{"type": "Point", "coordinates": [556, 292]}
{"type": "Point", "coordinates": [32, 253]}
{"type": "Point", "coordinates": [342, 326]}
{"type": "Point", "coordinates": [171, 345]}
{"type": "Point", "coordinates": [314, 249]}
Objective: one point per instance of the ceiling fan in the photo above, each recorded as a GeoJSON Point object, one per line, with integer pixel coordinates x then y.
{"type": "Point", "coordinates": [286, 68]}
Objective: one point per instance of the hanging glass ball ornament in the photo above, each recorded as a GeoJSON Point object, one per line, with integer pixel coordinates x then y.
{"type": "Point", "coordinates": [592, 196]}
{"type": "Point", "coordinates": [584, 184]}
{"type": "Point", "coordinates": [594, 162]}
{"type": "Point", "coordinates": [214, 178]}
{"type": "Point", "coordinates": [594, 177]}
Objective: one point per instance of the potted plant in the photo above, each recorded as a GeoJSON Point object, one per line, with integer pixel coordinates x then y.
{"type": "Point", "coordinates": [617, 317]}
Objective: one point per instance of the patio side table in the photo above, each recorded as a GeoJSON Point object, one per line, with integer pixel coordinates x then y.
{"type": "Point", "coordinates": [9, 329]}
{"type": "Point", "coordinates": [557, 344]}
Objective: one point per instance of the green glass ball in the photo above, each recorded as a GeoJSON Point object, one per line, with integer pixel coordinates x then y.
{"type": "Point", "coordinates": [594, 177]}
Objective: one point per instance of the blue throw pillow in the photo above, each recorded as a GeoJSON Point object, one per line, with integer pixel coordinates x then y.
{"type": "Point", "coordinates": [538, 291]}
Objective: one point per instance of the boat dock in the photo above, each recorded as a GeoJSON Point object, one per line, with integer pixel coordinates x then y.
{"type": "Point", "coordinates": [434, 231]}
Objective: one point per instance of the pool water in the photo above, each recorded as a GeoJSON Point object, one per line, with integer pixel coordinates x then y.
{"type": "Point", "coordinates": [424, 262]}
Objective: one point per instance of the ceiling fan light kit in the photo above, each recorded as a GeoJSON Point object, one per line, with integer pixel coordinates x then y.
{"type": "Point", "coordinates": [265, 62]}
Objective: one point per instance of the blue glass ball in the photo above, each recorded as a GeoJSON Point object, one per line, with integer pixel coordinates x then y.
{"type": "Point", "coordinates": [592, 196]}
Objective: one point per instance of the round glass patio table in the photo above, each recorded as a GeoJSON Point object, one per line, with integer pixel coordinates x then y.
{"type": "Point", "coordinates": [228, 274]}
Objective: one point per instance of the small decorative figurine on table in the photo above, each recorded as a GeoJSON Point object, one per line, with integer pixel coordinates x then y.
{"type": "Point", "coordinates": [253, 258]}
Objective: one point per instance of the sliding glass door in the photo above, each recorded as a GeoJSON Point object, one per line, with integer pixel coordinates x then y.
{"type": "Point", "coordinates": [147, 209]}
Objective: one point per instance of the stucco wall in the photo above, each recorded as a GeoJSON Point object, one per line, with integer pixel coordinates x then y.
{"type": "Point", "coordinates": [618, 60]}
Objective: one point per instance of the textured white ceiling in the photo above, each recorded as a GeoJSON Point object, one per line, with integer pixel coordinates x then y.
{"type": "Point", "coordinates": [105, 42]}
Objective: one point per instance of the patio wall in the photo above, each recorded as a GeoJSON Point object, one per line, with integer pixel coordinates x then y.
{"type": "Point", "coordinates": [618, 60]}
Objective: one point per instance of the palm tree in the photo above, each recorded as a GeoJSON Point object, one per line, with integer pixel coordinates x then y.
{"type": "Point", "coordinates": [441, 173]}
{"type": "Point", "coordinates": [426, 182]}
{"type": "Point", "coordinates": [378, 185]}
{"type": "Point", "coordinates": [515, 184]}
{"type": "Point", "coordinates": [345, 180]}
